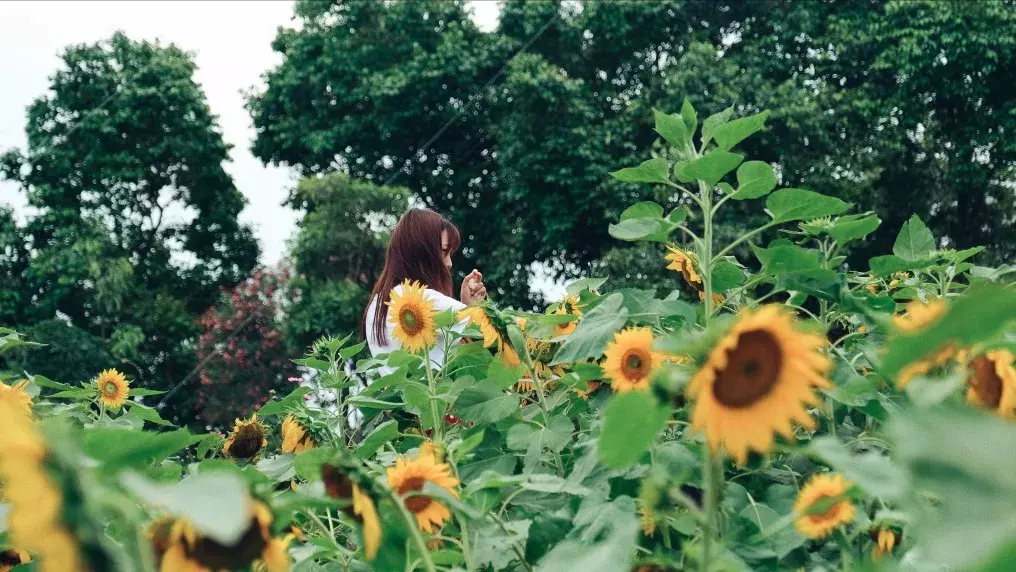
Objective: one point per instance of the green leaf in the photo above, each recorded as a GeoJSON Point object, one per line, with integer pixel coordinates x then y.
{"type": "Point", "coordinates": [576, 287]}
{"type": "Point", "coordinates": [117, 448]}
{"type": "Point", "coordinates": [732, 133]}
{"type": "Point", "coordinates": [371, 403]}
{"type": "Point", "coordinates": [979, 315]}
{"type": "Point", "coordinates": [798, 204]}
{"type": "Point", "coordinates": [503, 374]}
{"type": "Point", "coordinates": [635, 229]}
{"type": "Point", "coordinates": [782, 540]}
{"type": "Point", "coordinates": [142, 392]}
{"type": "Point", "coordinates": [43, 381]}
{"type": "Point", "coordinates": [712, 166]}
{"type": "Point", "coordinates": [754, 179]}
{"type": "Point", "coordinates": [846, 231]}
{"type": "Point", "coordinates": [785, 258]}
{"type": "Point", "coordinates": [889, 264]}
{"type": "Point", "coordinates": [631, 422]}
{"type": "Point", "coordinates": [671, 128]}
{"type": "Point", "coordinates": [147, 413]}
{"type": "Point", "coordinates": [871, 471]}
{"type": "Point", "coordinates": [613, 553]}
{"type": "Point", "coordinates": [712, 122]}
{"type": "Point", "coordinates": [384, 433]}
{"type": "Point", "coordinates": [651, 171]}
{"type": "Point", "coordinates": [963, 459]}
{"type": "Point", "coordinates": [593, 332]}
{"type": "Point", "coordinates": [494, 546]}
{"type": "Point", "coordinates": [278, 468]}
{"type": "Point", "coordinates": [689, 116]}
{"type": "Point", "coordinates": [486, 404]}
{"type": "Point", "coordinates": [914, 240]}
{"type": "Point", "coordinates": [215, 503]}
{"type": "Point", "coordinates": [280, 406]}
{"type": "Point", "coordinates": [644, 209]}
{"type": "Point", "coordinates": [726, 275]}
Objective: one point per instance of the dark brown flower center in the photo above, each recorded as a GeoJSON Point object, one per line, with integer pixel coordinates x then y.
{"type": "Point", "coordinates": [247, 441]}
{"type": "Point", "coordinates": [985, 381]}
{"type": "Point", "coordinates": [635, 364]}
{"type": "Point", "coordinates": [240, 555]}
{"type": "Point", "coordinates": [415, 503]}
{"type": "Point", "coordinates": [410, 321]}
{"type": "Point", "coordinates": [339, 486]}
{"type": "Point", "coordinates": [753, 369]}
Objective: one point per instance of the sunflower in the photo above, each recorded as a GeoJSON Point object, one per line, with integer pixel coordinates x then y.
{"type": "Point", "coordinates": [113, 389]}
{"type": "Point", "coordinates": [630, 360]}
{"type": "Point", "coordinates": [821, 506]}
{"type": "Point", "coordinates": [478, 316]}
{"type": "Point", "coordinates": [295, 438]}
{"type": "Point", "coordinates": [993, 382]}
{"type": "Point", "coordinates": [917, 317]}
{"type": "Point", "coordinates": [920, 315]}
{"type": "Point", "coordinates": [11, 558]}
{"type": "Point", "coordinates": [246, 440]}
{"type": "Point", "coordinates": [412, 314]}
{"type": "Point", "coordinates": [408, 476]}
{"type": "Point", "coordinates": [179, 547]}
{"type": "Point", "coordinates": [756, 381]}
{"type": "Point", "coordinates": [16, 396]}
{"type": "Point", "coordinates": [885, 541]}
{"type": "Point", "coordinates": [591, 386]}
{"type": "Point", "coordinates": [685, 263]}
{"type": "Point", "coordinates": [35, 502]}
{"type": "Point", "coordinates": [567, 307]}
{"type": "Point", "coordinates": [362, 509]}
{"type": "Point", "coordinates": [275, 557]}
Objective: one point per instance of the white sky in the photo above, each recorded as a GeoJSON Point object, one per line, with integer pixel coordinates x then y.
{"type": "Point", "coordinates": [231, 43]}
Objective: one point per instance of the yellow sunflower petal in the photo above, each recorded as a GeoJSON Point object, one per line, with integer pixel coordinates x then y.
{"type": "Point", "coordinates": [630, 360]}
{"type": "Point", "coordinates": [992, 382]}
{"type": "Point", "coordinates": [113, 389]}
{"type": "Point", "coordinates": [413, 316]}
{"type": "Point", "coordinates": [815, 520]}
{"type": "Point", "coordinates": [755, 380]}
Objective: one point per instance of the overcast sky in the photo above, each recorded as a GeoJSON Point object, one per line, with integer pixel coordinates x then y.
{"type": "Point", "coordinates": [231, 43]}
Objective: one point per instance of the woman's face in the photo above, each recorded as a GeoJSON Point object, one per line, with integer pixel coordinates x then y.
{"type": "Point", "coordinates": [446, 253]}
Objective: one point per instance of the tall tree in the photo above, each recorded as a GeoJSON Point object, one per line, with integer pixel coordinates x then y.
{"type": "Point", "coordinates": [888, 104]}
{"type": "Point", "coordinates": [337, 254]}
{"type": "Point", "coordinates": [136, 228]}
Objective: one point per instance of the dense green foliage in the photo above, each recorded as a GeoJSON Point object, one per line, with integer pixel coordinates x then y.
{"type": "Point", "coordinates": [134, 224]}
{"type": "Point", "coordinates": [895, 106]}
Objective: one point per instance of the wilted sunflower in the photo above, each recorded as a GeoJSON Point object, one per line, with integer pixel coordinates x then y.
{"type": "Point", "coordinates": [408, 476]}
{"type": "Point", "coordinates": [295, 437]}
{"type": "Point", "coordinates": [36, 503]}
{"type": "Point", "coordinates": [756, 381]}
{"type": "Point", "coordinates": [16, 396]}
{"type": "Point", "coordinates": [11, 558]}
{"type": "Point", "coordinates": [246, 440]}
{"type": "Point", "coordinates": [822, 506]}
{"type": "Point", "coordinates": [992, 382]}
{"type": "Point", "coordinates": [685, 263]}
{"type": "Point", "coordinates": [113, 389]}
{"type": "Point", "coordinates": [179, 547]}
{"type": "Point", "coordinates": [630, 360]}
{"type": "Point", "coordinates": [717, 298]}
{"type": "Point", "coordinates": [885, 541]}
{"type": "Point", "coordinates": [362, 509]}
{"type": "Point", "coordinates": [412, 314]}
{"type": "Point", "coordinates": [545, 372]}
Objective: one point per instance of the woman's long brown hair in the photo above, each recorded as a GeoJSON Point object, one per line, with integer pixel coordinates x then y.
{"type": "Point", "coordinates": [414, 253]}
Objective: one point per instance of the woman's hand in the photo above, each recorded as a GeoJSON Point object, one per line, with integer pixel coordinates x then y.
{"type": "Point", "coordinates": [473, 290]}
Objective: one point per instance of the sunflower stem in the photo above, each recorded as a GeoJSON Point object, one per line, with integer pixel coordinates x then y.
{"type": "Point", "coordinates": [414, 529]}
{"type": "Point", "coordinates": [542, 400]}
{"type": "Point", "coordinates": [711, 486]}
{"type": "Point", "coordinates": [432, 385]}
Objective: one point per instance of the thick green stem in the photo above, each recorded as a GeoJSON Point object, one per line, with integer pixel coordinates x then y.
{"type": "Point", "coordinates": [414, 529]}
{"type": "Point", "coordinates": [542, 401]}
{"type": "Point", "coordinates": [432, 397]}
{"type": "Point", "coordinates": [711, 478]}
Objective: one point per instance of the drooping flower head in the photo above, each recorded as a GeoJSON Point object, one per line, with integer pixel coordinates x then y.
{"type": "Point", "coordinates": [885, 540]}
{"type": "Point", "coordinates": [685, 263]}
{"type": "Point", "coordinates": [362, 509]}
{"type": "Point", "coordinates": [757, 380]}
{"type": "Point", "coordinates": [246, 440]}
{"type": "Point", "coordinates": [992, 382]}
{"type": "Point", "coordinates": [412, 314]}
{"type": "Point", "coordinates": [295, 437]}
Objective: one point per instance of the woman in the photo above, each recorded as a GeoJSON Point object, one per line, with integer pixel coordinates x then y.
{"type": "Point", "coordinates": [421, 249]}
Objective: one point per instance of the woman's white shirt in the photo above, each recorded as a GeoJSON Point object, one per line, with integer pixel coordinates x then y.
{"type": "Point", "coordinates": [441, 302]}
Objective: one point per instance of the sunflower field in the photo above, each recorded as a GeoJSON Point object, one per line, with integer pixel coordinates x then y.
{"type": "Point", "coordinates": [779, 409]}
